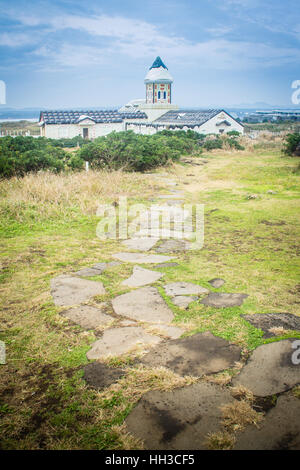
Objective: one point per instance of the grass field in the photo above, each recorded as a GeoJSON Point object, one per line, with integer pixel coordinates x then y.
{"type": "Point", "coordinates": [48, 227]}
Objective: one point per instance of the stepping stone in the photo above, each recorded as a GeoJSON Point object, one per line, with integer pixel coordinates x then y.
{"type": "Point", "coordinates": [100, 376]}
{"type": "Point", "coordinates": [127, 323]}
{"type": "Point", "coordinates": [280, 429]}
{"type": "Point", "coordinates": [68, 290]}
{"type": "Point", "coordinates": [118, 341]}
{"type": "Point", "coordinates": [142, 277]}
{"type": "Point", "coordinates": [270, 369]}
{"type": "Point", "coordinates": [141, 258]}
{"type": "Point", "coordinates": [184, 288]}
{"type": "Point", "coordinates": [144, 304]}
{"type": "Point", "coordinates": [179, 419]}
{"type": "Point", "coordinates": [89, 272]}
{"type": "Point", "coordinates": [173, 332]}
{"type": "Point", "coordinates": [165, 233]}
{"type": "Point", "coordinates": [166, 265]}
{"type": "Point", "coordinates": [202, 353]}
{"type": "Point", "coordinates": [221, 300]}
{"type": "Point", "coordinates": [183, 301]}
{"type": "Point", "coordinates": [88, 317]}
{"type": "Point", "coordinates": [167, 196]}
{"type": "Point", "coordinates": [176, 202]}
{"type": "Point", "coordinates": [217, 282]}
{"type": "Point", "coordinates": [173, 245]}
{"type": "Point", "coordinates": [267, 321]}
{"type": "Point", "coordinates": [141, 244]}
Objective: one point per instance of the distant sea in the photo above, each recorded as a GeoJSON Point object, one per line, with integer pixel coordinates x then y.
{"type": "Point", "coordinates": [19, 115]}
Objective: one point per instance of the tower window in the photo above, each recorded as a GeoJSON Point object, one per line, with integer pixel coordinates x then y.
{"type": "Point", "coordinates": [165, 95]}
{"type": "Point", "coordinates": [159, 95]}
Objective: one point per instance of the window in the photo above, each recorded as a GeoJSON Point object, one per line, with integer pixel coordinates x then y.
{"type": "Point", "coordinates": [165, 95]}
{"type": "Point", "coordinates": [85, 131]}
{"type": "Point", "coordinates": [159, 95]}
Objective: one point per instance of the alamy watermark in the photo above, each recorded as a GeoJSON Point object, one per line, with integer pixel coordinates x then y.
{"type": "Point", "coordinates": [2, 92]}
{"type": "Point", "coordinates": [296, 94]}
{"type": "Point", "coordinates": [296, 353]}
{"type": "Point", "coordinates": [161, 221]}
{"type": "Point", "coordinates": [2, 353]}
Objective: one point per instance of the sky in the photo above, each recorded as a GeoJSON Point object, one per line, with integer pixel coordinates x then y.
{"type": "Point", "coordinates": [66, 54]}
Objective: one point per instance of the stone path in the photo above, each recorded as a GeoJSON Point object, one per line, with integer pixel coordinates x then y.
{"type": "Point", "coordinates": [140, 323]}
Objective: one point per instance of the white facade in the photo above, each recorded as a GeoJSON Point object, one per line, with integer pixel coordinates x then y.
{"type": "Point", "coordinates": [94, 130]}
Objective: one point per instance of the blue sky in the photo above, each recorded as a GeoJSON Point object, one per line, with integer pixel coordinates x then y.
{"type": "Point", "coordinates": [72, 53]}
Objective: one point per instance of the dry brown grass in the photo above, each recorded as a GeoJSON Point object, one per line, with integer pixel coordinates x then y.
{"type": "Point", "coordinates": [54, 192]}
{"type": "Point", "coordinates": [237, 415]}
{"type": "Point", "coordinates": [220, 441]}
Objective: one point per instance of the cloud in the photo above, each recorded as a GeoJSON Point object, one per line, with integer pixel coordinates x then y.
{"type": "Point", "coordinates": [115, 35]}
{"type": "Point", "coordinates": [15, 40]}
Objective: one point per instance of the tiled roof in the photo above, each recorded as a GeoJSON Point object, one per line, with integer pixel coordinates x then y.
{"type": "Point", "coordinates": [185, 118]}
{"type": "Point", "coordinates": [74, 117]}
{"type": "Point", "coordinates": [158, 63]}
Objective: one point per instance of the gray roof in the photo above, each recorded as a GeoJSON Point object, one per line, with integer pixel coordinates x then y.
{"type": "Point", "coordinates": [74, 117]}
{"type": "Point", "coordinates": [183, 117]}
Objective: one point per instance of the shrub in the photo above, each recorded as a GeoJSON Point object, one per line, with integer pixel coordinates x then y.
{"type": "Point", "coordinates": [292, 143]}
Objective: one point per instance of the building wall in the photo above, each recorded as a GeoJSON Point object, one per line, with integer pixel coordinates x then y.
{"type": "Point", "coordinates": [58, 131]}
{"type": "Point", "coordinates": [210, 127]}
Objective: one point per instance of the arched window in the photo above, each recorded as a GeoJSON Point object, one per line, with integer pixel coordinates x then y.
{"type": "Point", "coordinates": [159, 95]}
{"type": "Point", "coordinates": [165, 95]}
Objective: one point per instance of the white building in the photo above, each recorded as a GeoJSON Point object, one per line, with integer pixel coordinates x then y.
{"type": "Point", "coordinates": [143, 116]}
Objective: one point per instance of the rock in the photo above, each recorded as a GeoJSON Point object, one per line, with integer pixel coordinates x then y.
{"type": "Point", "coordinates": [217, 282]}
{"type": "Point", "coordinates": [127, 323]}
{"type": "Point", "coordinates": [184, 288]}
{"type": "Point", "coordinates": [141, 258]}
{"type": "Point", "coordinates": [88, 272]}
{"type": "Point", "coordinates": [179, 419]}
{"type": "Point", "coordinates": [267, 321]}
{"type": "Point", "coordinates": [176, 202]}
{"type": "Point", "coordinates": [167, 196]}
{"type": "Point", "coordinates": [100, 267]}
{"type": "Point", "coordinates": [202, 353]}
{"type": "Point", "coordinates": [183, 301]}
{"type": "Point", "coordinates": [171, 331]}
{"type": "Point", "coordinates": [280, 429]}
{"type": "Point", "coordinates": [173, 245]}
{"type": "Point", "coordinates": [144, 304]}
{"type": "Point", "coordinates": [88, 317]}
{"type": "Point", "coordinates": [118, 341]}
{"type": "Point", "coordinates": [222, 300]}
{"type": "Point", "coordinates": [141, 244]}
{"type": "Point", "coordinates": [100, 376]}
{"type": "Point", "coordinates": [142, 277]}
{"type": "Point", "coordinates": [166, 265]}
{"type": "Point", "coordinates": [270, 369]}
{"type": "Point", "coordinates": [68, 290]}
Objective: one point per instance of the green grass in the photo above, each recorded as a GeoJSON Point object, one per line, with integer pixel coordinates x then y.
{"type": "Point", "coordinates": [252, 243]}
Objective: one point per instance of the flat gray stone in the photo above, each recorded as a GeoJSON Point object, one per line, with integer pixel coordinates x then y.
{"type": "Point", "coordinates": [167, 265]}
{"type": "Point", "coordinates": [184, 288]}
{"type": "Point", "coordinates": [140, 243]}
{"type": "Point", "coordinates": [270, 369]}
{"type": "Point", "coordinates": [168, 196]}
{"type": "Point", "coordinates": [222, 300]}
{"type": "Point", "coordinates": [217, 282]}
{"type": "Point", "coordinates": [99, 376]}
{"type": "Point", "coordinates": [68, 290]}
{"type": "Point", "coordinates": [88, 317]}
{"type": "Point", "coordinates": [202, 353]}
{"type": "Point", "coordinates": [141, 277]}
{"type": "Point", "coordinates": [141, 258]}
{"type": "Point", "coordinates": [171, 331]}
{"type": "Point", "coordinates": [280, 429]}
{"type": "Point", "coordinates": [176, 202]}
{"type": "Point", "coordinates": [183, 301]}
{"type": "Point", "coordinates": [144, 304]}
{"type": "Point", "coordinates": [267, 321]}
{"type": "Point", "coordinates": [100, 267]}
{"type": "Point", "coordinates": [173, 245]}
{"type": "Point", "coordinates": [179, 419]}
{"type": "Point", "coordinates": [86, 272]}
{"type": "Point", "coordinates": [118, 341]}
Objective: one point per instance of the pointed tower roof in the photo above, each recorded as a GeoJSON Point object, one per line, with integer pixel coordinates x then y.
{"type": "Point", "coordinates": [158, 63]}
{"type": "Point", "coordinates": [158, 73]}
